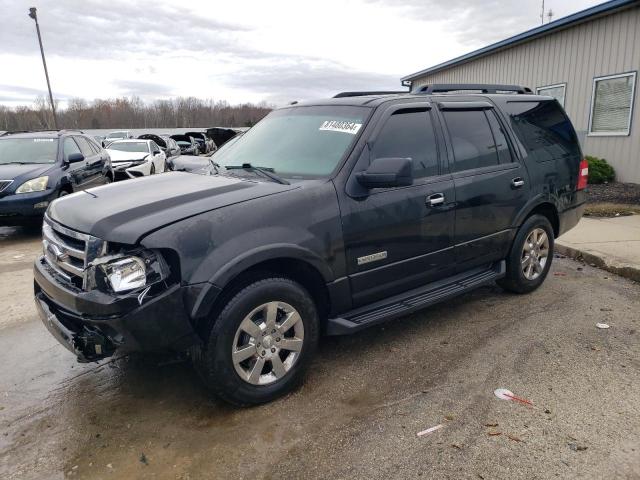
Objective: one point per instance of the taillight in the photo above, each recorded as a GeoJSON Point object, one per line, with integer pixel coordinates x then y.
{"type": "Point", "coordinates": [583, 175]}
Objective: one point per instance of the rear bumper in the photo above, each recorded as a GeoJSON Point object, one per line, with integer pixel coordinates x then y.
{"type": "Point", "coordinates": [570, 217]}
{"type": "Point", "coordinates": [93, 325]}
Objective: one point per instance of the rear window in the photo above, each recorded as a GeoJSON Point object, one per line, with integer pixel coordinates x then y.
{"type": "Point", "coordinates": [28, 150]}
{"type": "Point", "coordinates": [543, 129]}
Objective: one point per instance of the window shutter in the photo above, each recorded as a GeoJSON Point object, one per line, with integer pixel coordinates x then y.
{"type": "Point", "coordinates": [612, 104]}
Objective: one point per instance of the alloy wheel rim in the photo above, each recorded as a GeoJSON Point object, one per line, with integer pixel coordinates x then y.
{"type": "Point", "coordinates": [535, 254]}
{"type": "Point", "coordinates": [267, 343]}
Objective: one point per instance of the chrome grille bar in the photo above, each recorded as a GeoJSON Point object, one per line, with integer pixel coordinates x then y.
{"type": "Point", "coordinates": [69, 252]}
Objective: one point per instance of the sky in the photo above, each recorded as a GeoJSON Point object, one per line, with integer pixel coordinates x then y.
{"type": "Point", "coordinates": [275, 51]}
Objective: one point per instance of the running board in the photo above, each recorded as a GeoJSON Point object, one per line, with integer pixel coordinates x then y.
{"type": "Point", "coordinates": [414, 300]}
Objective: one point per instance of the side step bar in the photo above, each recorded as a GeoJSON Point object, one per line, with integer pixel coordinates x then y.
{"type": "Point", "coordinates": [414, 300]}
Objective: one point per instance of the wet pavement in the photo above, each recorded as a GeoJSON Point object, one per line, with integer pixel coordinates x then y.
{"type": "Point", "coordinates": [364, 401]}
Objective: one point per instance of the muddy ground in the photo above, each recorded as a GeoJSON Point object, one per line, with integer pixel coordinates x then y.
{"type": "Point", "coordinates": [364, 401]}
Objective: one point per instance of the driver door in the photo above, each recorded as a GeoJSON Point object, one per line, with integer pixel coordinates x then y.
{"type": "Point", "coordinates": [399, 238]}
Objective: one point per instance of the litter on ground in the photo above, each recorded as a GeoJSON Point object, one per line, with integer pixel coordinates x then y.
{"type": "Point", "coordinates": [602, 325]}
{"type": "Point", "coordinates": [504, 394]}
{"type": "Point", "coordinates": [430, 430]}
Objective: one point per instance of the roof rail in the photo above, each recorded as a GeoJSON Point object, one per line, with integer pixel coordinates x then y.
{"type": "Point", "coordinates": [482, 87]}
{"type": "Point", "coordinates": [364, 94]}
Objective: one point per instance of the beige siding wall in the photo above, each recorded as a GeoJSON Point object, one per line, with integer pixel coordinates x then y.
{"type": "Point", "coordinates": [604, 46]}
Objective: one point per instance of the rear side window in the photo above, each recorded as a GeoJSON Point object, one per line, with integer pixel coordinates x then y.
{"type": "Point", "coordinates": [472, 139]}
{"type": "Point", "coordinates": [543, 129]}
{"type": "Point", "coordinates": [409, 134]}
{"type": "Point", "coordinates": [502, 146]}
{"type": "Point", "coordinates": [70, 147]}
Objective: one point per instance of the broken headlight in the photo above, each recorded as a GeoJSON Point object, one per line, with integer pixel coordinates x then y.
{"type": "Point", "coordinates": [129, 271]}
{"type": "Point", "coordinates": [126, 274]}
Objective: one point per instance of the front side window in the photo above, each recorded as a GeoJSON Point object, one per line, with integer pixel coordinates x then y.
{"type": "Point", "coordinates": [298, 142]}
{"type": "Point", "coordinates": [130, 147]}
{"type": "Point", "coordinates": [612, 104]}
{"type": "Point", "coordinates": [70, 147]}
{"type": "Point", "coordinates": [28, 150]}
{"type": "Point", "coordinates": [409, 134]}
{"type": "Point", "coordinates": [555, 91]}
{"type": "Point", "coordinates": [85, 147]}
{"type": "Point", "coordinates": [472, 140]}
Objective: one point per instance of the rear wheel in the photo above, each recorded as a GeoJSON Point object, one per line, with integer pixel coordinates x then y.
{"type": "Point", "coordinates": [530, 257]}
{"type": "Point", "coordinates": [261, 344]}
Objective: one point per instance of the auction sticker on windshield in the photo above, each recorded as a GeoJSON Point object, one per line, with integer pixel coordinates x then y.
{"type": "Point", "coordinates": [43, 139]}
{"type": "Point", "coordinates": [340, 126]}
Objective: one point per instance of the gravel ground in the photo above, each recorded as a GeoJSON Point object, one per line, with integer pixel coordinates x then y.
{"type": "Point", "coordinates": [364, 401]}
{"type": "Point", "coordinates": [616, 192]}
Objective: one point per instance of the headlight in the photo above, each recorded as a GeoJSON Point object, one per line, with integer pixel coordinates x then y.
{"type": "Point", "coordinates": [126, 274]}
{"type": "Point", "coordinates": [36, 185]}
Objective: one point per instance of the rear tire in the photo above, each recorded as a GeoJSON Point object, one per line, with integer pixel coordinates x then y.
{"type": "Point", "coordinates": [275, 322]}
{"type": "Point", "coordinates": [530, 256]}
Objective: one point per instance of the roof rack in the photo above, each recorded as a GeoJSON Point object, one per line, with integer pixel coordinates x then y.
{"type": "Point", "coordinates": [364, 94]}
{"type": "Point", "coordinates": [482, 87]}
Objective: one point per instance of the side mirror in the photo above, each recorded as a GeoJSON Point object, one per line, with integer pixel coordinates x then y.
{"type": "Point", "coordinates": [387, 173]}
{"type": "Point", "coordinates": [75, 158]}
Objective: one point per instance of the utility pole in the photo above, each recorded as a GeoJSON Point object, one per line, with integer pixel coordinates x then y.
{"type": "Point", "coordinates": [542, 14]}
{"type": "Point", "coordinates": [33, 14]}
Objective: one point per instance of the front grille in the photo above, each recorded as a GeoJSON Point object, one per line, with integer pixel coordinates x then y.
{"type": "Point", "coordinates": [69, 253]}
{"type": "Point", "coordinates": [4, 184]}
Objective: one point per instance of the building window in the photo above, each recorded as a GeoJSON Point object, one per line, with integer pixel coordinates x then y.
{"type": "Point", "coordinates": [612, 104]}
{"type": "Point", "coordinates": [555, 91]}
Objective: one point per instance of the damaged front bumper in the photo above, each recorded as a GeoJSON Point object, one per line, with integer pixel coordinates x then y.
{"type": "Point", "coordinates": [131, 169]}
{"type": "Point", "coordinates": [93, 325]}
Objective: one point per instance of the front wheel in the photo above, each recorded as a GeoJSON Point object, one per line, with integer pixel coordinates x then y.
{"type": "Point", "coordinates": [530, 257]}
{"type": "Point", "coordinates": [261, 344]}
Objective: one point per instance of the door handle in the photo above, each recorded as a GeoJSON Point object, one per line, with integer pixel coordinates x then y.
{"type": "Point", "coordinates": [435, 199]}
{"type": "Point", "coordinates": [517, 182]}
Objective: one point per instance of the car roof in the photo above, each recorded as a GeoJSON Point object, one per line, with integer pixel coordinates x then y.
{"type": "Point", "coordinates": [40, 134]}
{"type": "Point", "coordinates": [131, 140]}
{"type": "Point", "coordinates": [373, 101]}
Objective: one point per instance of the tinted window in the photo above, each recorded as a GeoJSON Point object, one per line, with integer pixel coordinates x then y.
{"type": "Point", "coordinates": [85, 148]}
{"type": "Point", "coordinates": [70, 147]}
{"type": "Point", "coordinates": [409, 135]}
{"type": "Point", "coordinates": [28, 150]}
{"type": "Point", "coordinates": [543, 129]}
{"type": "Point", "coordinates": [502, 146]}
{"type": "Point", "coordinates": [472, 140]}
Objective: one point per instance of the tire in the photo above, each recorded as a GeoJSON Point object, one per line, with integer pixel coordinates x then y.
{"type": "Point", "coordinates": [62, 193]}
{"type": "Point", "coordinates": [523, 275]}
{"type": "Point", "coordinates": [237, 382]}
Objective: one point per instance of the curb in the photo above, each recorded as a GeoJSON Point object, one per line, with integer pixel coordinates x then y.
{"type": "Point", "coordinates": [625, 270]}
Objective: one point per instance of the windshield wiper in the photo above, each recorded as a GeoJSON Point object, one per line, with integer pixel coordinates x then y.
{"type": "Point", "coordinates": [267, 172]}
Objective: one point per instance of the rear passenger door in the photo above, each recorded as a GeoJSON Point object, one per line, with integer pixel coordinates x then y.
{"type": "Point", "coordinates": [490, 182]}
{"type": "Point", "coordinates": [396, 239]}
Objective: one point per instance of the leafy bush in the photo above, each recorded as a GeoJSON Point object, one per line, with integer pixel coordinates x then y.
{"type": "Point", "coordinates": [599, 170]}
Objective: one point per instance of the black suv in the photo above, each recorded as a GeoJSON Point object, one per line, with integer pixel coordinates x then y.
{"type": "Point", "coordinates": [326, 217]}
{"type": "Point", "coordinates": [38, 167]}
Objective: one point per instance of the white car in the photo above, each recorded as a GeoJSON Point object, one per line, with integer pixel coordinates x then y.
{"type": "Point", "coordinates": [136, 158]}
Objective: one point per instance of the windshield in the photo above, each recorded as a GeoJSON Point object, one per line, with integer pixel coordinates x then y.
{"type": "Point", "coordinates": [298, 142]}
{"type": "Point", "coordinates": [28, 150]}
{"type": "Point", "coordinates": [129, 146]}
{"type": "Point", "coordinates": [117, 135]}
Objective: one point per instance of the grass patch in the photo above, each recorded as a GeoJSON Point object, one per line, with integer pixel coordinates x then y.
{"type": "Point", "coordinates": [611, 210]}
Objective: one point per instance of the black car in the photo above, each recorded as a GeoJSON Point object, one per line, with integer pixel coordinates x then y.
{"type": "Point", "coordinates": [187, 144]}
{"type": "Point", "coordinates": [38, 167]}
{"type": "Point", "coordinates": [327, 217]}
{"type": "Point", "coordinates": [205, 144]}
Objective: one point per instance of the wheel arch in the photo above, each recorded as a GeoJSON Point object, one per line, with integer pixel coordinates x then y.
{"type": "Point", "coordinates": [307, 270]}
{"type": "Point", "coordinates": [543, 207]}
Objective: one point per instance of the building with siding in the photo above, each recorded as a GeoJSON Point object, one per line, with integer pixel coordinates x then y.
{"type": "Point", "coordinates": [588, 61]}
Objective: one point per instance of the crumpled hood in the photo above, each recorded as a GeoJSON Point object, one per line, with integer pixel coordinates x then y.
{"type": "Point", "coordinates": [126, 211]}
{"type": "Point", "coordinates": [118, 156]}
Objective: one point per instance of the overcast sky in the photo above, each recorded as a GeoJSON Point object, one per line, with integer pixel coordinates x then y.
{"type": "Point", "coordinates": [239, 51]}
